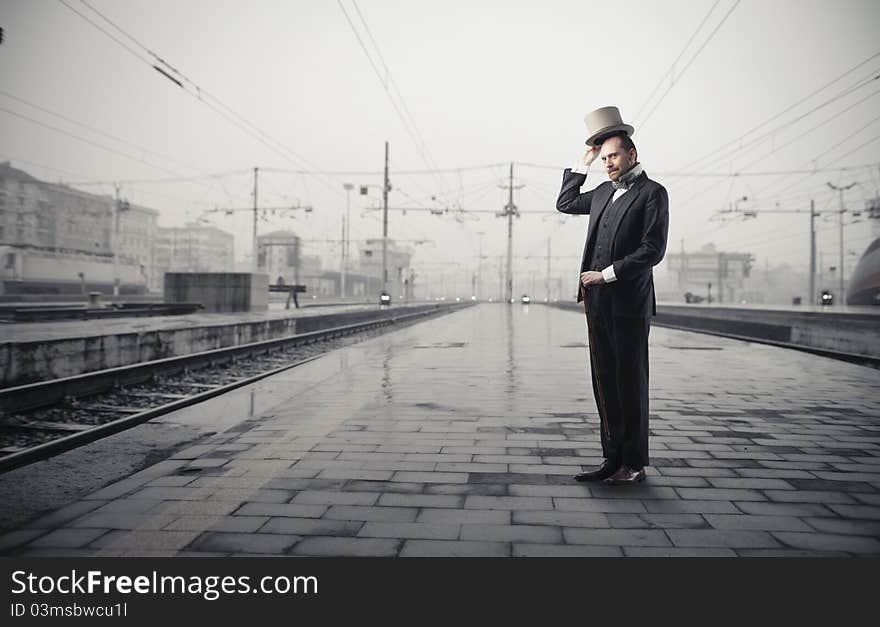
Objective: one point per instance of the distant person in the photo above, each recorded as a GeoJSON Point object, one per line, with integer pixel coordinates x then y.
{"type": "Point", "coordinates": [629, 222]}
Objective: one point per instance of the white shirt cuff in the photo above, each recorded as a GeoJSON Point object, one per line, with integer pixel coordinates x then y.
{"type": "Point", "coordinates": [579, 167]}
{"type": "Point", "coordinates": [608, 274]}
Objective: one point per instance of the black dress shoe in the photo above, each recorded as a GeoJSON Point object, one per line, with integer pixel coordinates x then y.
{"type": "Point", "coordinates": [626, 476]}
{"type": "Point", "coordinates": [604, 471]}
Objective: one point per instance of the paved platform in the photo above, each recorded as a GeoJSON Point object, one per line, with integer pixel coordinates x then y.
{"type": "Point", "coordinates": [459, 437]}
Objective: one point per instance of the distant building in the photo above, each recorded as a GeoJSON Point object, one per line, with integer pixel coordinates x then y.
{"type": "Point", "coordinates": [136, 240]}
{"type": "Point", "coordinates": [59, 240]}
{"type": "Point", "coordinates": [318, 282]}
{"type": "Point", "coordinates": [397, 263]}
{"type": "Point", "coordinates": [40, 214]}
{"type": "Point", "coordinates": [192, 248]}
{"type": "Point", "coordinates": [278, 255]}
{"type": "Point", "coordinates": [780, 284]}
{"type": "Point", "coordinates": [708, 272]}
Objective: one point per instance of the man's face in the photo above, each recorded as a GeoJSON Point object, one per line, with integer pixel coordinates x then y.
{"type": "Point", "coordinates": [617, 161]}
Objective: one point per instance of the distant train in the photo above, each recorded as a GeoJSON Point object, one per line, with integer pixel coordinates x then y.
{"type": "Point", "coordinates": [864, 286]}
{"type": "Point", "coordinates": [27, 270]}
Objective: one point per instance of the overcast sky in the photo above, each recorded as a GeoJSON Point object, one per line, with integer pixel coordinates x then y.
{"type": "Point", "coordinates": [712, 88]}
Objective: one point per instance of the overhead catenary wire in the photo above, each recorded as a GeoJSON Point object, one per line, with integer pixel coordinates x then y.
{"type": "Point", "coordinates": [719, 221]}
{"type": "Point", "coordinates": [211, 101]}
{"type": "Point", "coordinates": [452, 170]}
{"type": "Point", "coordinates": [781, 233]}
{"type": "Point", "coordinates": [388, 83]}
{"type": "Point", "coordinates": [408, 187]}
{"type": "Point", "coordinates": [162, 181]}
{"type": "Point", "coordinates": [775, 240]}
{"type": "Point", "coordinates": [735, 174]}
{"type": "Point", "coordinates": [83, 182]}
{"type": "Point", "coordinates": [98, 131]}
{"type": "Point", "coordinates": [421, 146]}
{"type": "Point", "coordinates": [95, 144]}
{"type": "Point", "coordinates": [825, 152]}
{"type": "Point", "coordinates": [200, 93]}
{"type": "Point", "coordinates": [671, 69]}
{"type": "Point", "coordinates": [847, 91]}
{"type": "Point", "coordinates": [177, 177]}
{"type": "Point", "coordinates": [673, 81]}
{"type": "Point", "coordinates": [802, 166]}
{"type": "Point", "coordinates": [736, 141]}
{"type": "Point", "coordinates": [110, 35]}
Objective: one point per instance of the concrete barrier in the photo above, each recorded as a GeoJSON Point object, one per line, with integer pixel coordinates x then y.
{"type": "Point", "coordinates": [42, 360]}
{"type": "Point", "coordinates": [219, 291]}
{"type": "Point", "coordinates": [854, 332]}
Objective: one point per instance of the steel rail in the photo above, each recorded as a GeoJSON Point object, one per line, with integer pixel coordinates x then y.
{"type": "Point", "coordinates": [47, 393]}
{"type": "Point", "coordinates": [868, 361]}
{"type": "Point", "coordinates": [854, 358]}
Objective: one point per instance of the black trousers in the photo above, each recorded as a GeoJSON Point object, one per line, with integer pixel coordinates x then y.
{"type": "Point", "coordinates": [619, 369]}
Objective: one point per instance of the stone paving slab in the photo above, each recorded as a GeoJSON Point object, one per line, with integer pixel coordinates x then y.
{"type": "Point", "coordinates": [466, 446]}
{"type": "Point", "coordinates": [449, 548]}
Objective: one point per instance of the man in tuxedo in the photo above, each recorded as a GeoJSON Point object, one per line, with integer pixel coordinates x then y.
{"type": "Point", "coordinates": [629, 222]}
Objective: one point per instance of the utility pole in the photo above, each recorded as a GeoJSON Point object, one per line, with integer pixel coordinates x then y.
{"type": "Point", "coordinates": [478, 292]}
{"type": "Point", "coordinates": [509, 212]}
{"type": "Point", "coordinates": [510, 209]}
{"type": "Point", "coordinates": [342, 269]}
{"type": "Point", "coordinates": [119, 205]}
{"type": "Point", "coordinates": [385, 188]}
{"type": "Point", "coordinates": [346, 226]}
{"type": "Point", "coordinates": [812, 293]}
{"type": "Point", "coordinates": [813, 213]}
{"type": "Point", "coordinates": [500, 278]}
{"type": "Point", "coordinates": [255, 265]}
{"type": "Point", "coordinates": [548, 269]}
{"type": "Point", "coordinates": [116, 208]}
{"type": "Point", "coordinates": [681, 275]}
{"type": "Point", "coordinates": [841, 295]}
{"type": "Point", "coordinates": [296, 259]}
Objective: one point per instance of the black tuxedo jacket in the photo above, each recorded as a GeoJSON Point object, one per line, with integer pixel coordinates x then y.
{"type": "Point", "coordinates": [638, 240]}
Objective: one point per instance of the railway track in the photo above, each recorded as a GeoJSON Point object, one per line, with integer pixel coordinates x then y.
{"type": "Point", "coordinates": [665, 321]}
{"type": "Point", "coordinates": [853, 358]}
{"type": "Point", "coordinates": [40, 420]}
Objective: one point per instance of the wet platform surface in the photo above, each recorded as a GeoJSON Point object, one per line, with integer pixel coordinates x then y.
{"type": "Point", "coordinates": [459, 436]}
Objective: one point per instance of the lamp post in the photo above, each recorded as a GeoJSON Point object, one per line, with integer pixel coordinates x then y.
{"type": "Point", "coordinates": [255, 265]}
{"type": "Point", "coordinates": [119, 205]}
{"type": "Point", "coordinates": [840, 277]}
{"type": "Point", "coordinates": [346, 225]}
{"type": "Point", "coordinates": [479, 290]}
{"type": "Point", "coordinates": [510, 211]}
{"type": "Point", "coordinates": [386, 187]}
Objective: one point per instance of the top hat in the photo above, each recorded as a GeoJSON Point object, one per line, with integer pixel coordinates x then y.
{"type": "Point", "coordinates": [604, 122]}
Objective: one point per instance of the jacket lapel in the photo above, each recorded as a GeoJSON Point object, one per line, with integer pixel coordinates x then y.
{"type": "Point", "coordinates": [626, 201]}
{"type": "Point", "coordinates": [600, 203]}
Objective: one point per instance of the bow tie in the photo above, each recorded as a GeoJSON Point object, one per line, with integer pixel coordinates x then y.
{"type": "Point", "coordinates": [624, 185]}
